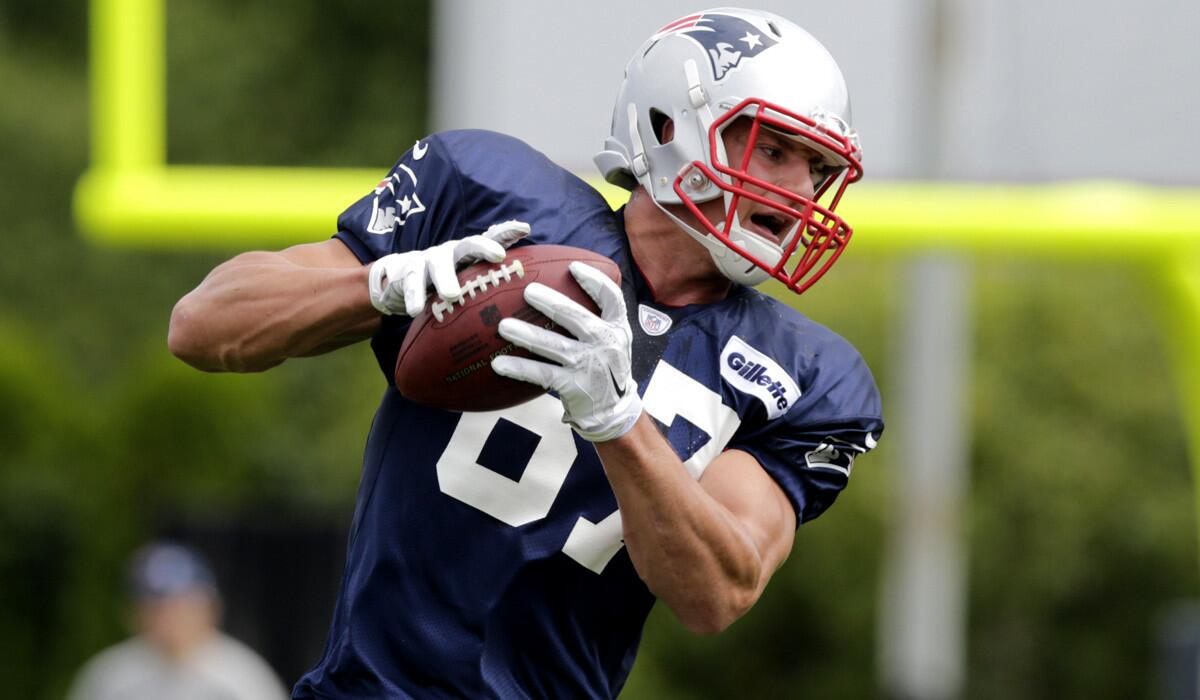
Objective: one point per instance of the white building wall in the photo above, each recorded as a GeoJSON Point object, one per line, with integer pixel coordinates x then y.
{"type": "Point", "coordinates": [1032, 88]}
{"type": "Point", "coordinates": [547, 72]}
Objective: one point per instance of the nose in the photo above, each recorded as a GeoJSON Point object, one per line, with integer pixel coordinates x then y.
{"type": "Point", "coordinates": [795, 178]}
{"type": "Point", "coordinates": [798, 178]}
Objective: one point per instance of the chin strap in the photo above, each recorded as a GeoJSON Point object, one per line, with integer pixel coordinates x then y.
{"type": "Point", "coordinates": [729, 262]}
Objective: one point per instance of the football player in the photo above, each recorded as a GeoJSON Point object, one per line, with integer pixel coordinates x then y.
{"type": "Point", "coordinates": [693, 423]}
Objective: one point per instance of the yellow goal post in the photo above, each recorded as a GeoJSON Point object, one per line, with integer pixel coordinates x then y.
{"type": "Point", "coordinates": [130, 196]}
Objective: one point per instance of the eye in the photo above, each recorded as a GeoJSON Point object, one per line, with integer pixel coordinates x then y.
{"type": "Point", "coordinates": [822, 172]}
{"type": "Point", "coordinates": [771, 152]}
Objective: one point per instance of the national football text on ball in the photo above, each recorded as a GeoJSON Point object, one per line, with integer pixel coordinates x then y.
{"type": "Point", "coordinates": [479, 364]}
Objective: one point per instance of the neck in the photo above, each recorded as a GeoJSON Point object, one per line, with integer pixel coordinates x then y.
{"type": "Point", "coordinates": [678, 269]}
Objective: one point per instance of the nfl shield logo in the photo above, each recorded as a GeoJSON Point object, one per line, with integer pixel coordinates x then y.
{"type": "Point", "coordinates": [653, 321]}
{"type": "Point", "coordinates": [490, 315]}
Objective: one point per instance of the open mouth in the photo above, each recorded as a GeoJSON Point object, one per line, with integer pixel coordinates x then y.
{"type": "Point", "coordinates": [770, 225]}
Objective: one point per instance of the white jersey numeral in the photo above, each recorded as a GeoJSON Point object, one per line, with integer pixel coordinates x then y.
{"type": "Point", "coordinates": [669, 394]}
{"type": "Point", "coordinates": [672, 394]}
{"type": "Point", "coordinates": [514, 502]}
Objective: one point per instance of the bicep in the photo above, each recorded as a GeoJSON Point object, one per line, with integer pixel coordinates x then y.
{"type": "Point", "coordinates": [737, 481]}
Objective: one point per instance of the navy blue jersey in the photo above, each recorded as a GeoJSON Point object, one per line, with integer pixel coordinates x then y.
{"type": "Point", "coordinates": [485, 556]}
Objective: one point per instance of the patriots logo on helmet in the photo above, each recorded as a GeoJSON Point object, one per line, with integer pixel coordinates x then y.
{"type": "Point", "coordinates": [727, 40]}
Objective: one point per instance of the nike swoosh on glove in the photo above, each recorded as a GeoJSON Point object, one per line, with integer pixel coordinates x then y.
{"type": "Point", "coordinates": [593, 378]}
{"type": "Point", "coordinates": [399, 283]}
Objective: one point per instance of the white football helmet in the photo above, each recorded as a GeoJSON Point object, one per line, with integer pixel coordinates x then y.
{"type": "Point", "coordinates": [703, 72]}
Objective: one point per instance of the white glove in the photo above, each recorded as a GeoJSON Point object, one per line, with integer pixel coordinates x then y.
{"type": "Point", "coordinates": [398, 283]}
{"type": "Point", "coordinates": [594, 382]}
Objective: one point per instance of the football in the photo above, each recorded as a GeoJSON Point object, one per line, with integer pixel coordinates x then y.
{"type": "Point", "coordinates": [445, 359]}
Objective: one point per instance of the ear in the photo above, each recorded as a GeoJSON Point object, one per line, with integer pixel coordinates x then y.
{"type": "Point", "coordinates": [662, 126]}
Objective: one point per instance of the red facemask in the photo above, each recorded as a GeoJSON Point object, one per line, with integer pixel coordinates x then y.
{"type": "Point", "coordinates": [818, 236]}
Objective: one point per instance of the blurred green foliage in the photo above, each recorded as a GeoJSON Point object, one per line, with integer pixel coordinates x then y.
{"type": "Point", "coordinates": [1080, 520]}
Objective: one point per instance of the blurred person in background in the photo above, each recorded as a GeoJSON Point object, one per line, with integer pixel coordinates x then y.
{"type": "Point", "coordinates": [178, 651]}
{"type": "Point", "coordinates": [488, 557]}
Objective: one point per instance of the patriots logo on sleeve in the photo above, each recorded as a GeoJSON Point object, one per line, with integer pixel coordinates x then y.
{"type": "Point", "coordinates": [726, 39]}
{"type": "Point", "coordinates": [396, 198]}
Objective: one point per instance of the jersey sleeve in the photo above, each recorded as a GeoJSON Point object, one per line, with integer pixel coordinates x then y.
{"type": "Point", "coordinates": [455, 184]}
{"type": "Point", "coordinates": [810, 451]}
{"type": "Point", "coordinates": [418, 204]}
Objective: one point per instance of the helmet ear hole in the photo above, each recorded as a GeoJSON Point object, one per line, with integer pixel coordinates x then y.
{"type": "Point", "coordinates": [663, 127]}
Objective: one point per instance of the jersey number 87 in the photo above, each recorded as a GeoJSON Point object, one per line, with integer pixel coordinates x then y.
{"type": "Point", "coordinates": [669, 394]}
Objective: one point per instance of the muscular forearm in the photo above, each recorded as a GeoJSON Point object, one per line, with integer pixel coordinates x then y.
{"type": "Point", "coordinates": [688, 548]}
{"type": "Point", "coordinates": [258, 309]}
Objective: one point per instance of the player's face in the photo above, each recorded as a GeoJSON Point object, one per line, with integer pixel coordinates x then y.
{"type": "Point", "coordinates": [775, 159]}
